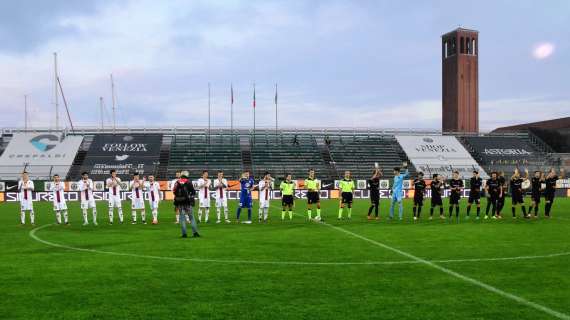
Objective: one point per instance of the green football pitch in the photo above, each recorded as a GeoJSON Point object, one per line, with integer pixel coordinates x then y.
{"type": "Point", "coordinates": [358, 269]}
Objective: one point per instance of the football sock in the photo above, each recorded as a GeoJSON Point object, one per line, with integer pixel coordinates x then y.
{"type": "Point", "coordinates": [207, 214]}
{"type": "Point", "coordinates": [134, 215]}
{"type": "Point", "coordinates": [535, 211]}
{"type": "Point", "coordinates": [309, 214]}
{"type": "Point", "coordinates": [238, 212]}
{"type": "Point", "coordinates": [513, 210]}
{"type": "Point", "coordinates": [349, 212]}
{"type": "Point", "coordinates": [260, 213]}
{"type": "Point", "coordinates": [154, 214]}
{"type": "Point", "coordinates": [218, 213]}
{"type": "Point", "coordinates": [58, 217]}
{"type": "Point", "coordinates": [249, 214]}
{"type": "Point", "coordinates": [199, 214]}
{"type": "Point", "coordinates": [547, 208]}
{"type": "Point", "coordinates": [441, 211]}
{"type": "Point", "coordinates": [85, 221]}
{"type": "Point", "coordinates": [23, 217]}
{"type": "Point", "coordinates": [32, 217]}
{"type": "Point", "coordinates": [478, 210]}
{"type": "Point", "coordinates": [94, 215]}
{"type": "Point", "coordinates": [65, 217]}
{"type": "Point", "coordinates": [457, 212]}
{"type": "Point", "coordinates": [121, 215]}
{"type": "Point", "coordinates": [111, 215]}
{"type": "Point", "coordinates": [450, 211]}
{"type": "Point", "coordinates": [468, 210]}
{"type": "Point", "coordinates": [282, 214]}
{"type": "Point", "coordinates": [376, 210]}
{"type": "Point", "coordinates": [370, 209]}
{"type": "Point", "coordinates": [415, 209]}
{"type": "Point", "coordinates": [265, 213]}
{"type": "Point", "coordinates": [340, 213]}
{"type": "Point", "coordinates": [143, 216]}
{"type": "Point", "coordinates": [419, 211]}
{"type": "Point", "coordinates": [319, 212]}
{"type": "Point", "coordinates": [431, 212]}
{"type": "Point", "coordinates": [523, 210]}
{"type": "Point", "coordinates": [226, 213]}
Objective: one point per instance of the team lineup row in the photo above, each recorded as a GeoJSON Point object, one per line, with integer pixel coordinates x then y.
{"type": "Point", "coordinates": [495, 189]}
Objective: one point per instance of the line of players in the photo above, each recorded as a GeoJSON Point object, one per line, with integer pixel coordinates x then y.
{"type": "Point", "coordinates": [495, 189]}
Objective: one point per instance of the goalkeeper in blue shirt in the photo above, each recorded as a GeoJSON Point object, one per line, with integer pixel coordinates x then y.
{"type": "Point", "coordinates": [246, 184]}
{"type": "Point", "coordinates": [398, 189]}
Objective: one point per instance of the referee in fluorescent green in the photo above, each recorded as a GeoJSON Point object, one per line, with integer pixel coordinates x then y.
{"type": "Point", "coordinates": [287, 189]}
{"type": "Point", "coordinates": [346, 187]}
{"type": "Point", "coordinates": [313, 187]}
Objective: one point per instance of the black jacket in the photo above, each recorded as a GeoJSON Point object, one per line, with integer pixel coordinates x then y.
{"type": "Point", "coordinates": [184, 194]}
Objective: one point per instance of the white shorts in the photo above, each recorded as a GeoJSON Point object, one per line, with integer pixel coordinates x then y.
{"type": "Point", "coordinates": [59, 206]}
{"type": "Point", "coordinates": [264, 203]}
{"type": "Point", "coordinates": [221, 202]}
{"type": "Point", "coordinates": [26, 205]}
{"type": "Point", "coordinates": [205, 203]}
{"type": "Point", "coordinates": [88, 204]}
{"type": "Point", "coordinates": [153, 204]}
{"type": "Point", "coordinates": [115, 202]}
{"type": "Point", "coordinates": [137, 204]}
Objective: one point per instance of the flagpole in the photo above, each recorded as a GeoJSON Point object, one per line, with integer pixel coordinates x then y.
{"type": "Point", "coordinates": [209, 112]}
{"type": "Point", "coordinates": [55, 91]}
{"type": "Point", "coordinates": [254, 113]}
{"type": "Point", "coordinates": [276, 120]}
{"type": "Point", "coordinates": [26, 112]}
{"type": "Point", "coordinates": [232, 108]}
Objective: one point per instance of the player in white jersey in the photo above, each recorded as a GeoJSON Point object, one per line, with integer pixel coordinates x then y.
{"type": "Point", "coordinates": [59, 205]}
{"type": "Point", "coordinates": [137, 198]}
{"type": "Point", "coordinates": [221, 187]}
{"type": "Point", "coordinates": [87, 201]}
{"type": "Point", "coordinates": [25, 195]}
{"type": "Point", "coordinates": [265, 186]}
{"type": "Point", "coordinates": [152, 189]}
{"type": "Point", "coordinates": [203, 187]}
{"type": "Point", "coordinates": [114, 186]}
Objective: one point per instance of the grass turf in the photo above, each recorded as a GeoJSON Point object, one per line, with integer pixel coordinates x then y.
{"type": "Point", "coordinates": [38, 281]}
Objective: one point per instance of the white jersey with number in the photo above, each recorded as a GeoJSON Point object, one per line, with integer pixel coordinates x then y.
{"type": "Point", "coordinates": [264, 193]}
{"type": "Point", "coordinates": [114, 193]}
{"type": "Point", "coordinates": [153, 194]}
{"type": "Point", "coordinates": [203, 186]}
{"type": "Point", "coordinates": [57, 193]}
{"type": "Point", "coordinates": [86, 191]}
{"type": "Point", "coordinates": [137, 196]}
{"type": "Point", "coordinates": [26, 195]}
{"type": "Point", "coordinates": [221, 188]}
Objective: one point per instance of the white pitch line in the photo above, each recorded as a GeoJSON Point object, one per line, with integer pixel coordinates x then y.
{"type": "Point", "coordinates": [478, 283]}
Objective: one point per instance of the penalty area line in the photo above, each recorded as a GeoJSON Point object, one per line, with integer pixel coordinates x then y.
{"type": "Point", "coordinates": [475, 282]}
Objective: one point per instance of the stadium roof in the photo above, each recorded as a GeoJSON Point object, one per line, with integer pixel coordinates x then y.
{"type": "Point", "coordinates": [561, 123]}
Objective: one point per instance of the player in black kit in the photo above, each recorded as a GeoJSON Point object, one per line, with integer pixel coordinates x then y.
{"type": "Point", "coordinates": [494, 192]}
{"type": "Point", "coordinates": [419, 191]}
{"type": "Point", "coordinates": [550, 190]}
{"type": "Point", "coordinates": [501, 200]}
{"type": "Point", "coordinates": [517, 193]}
{"type": "Point", "coordinates": [456, 185]}
{"type": "Point", "coordinates": [436, 187]}
{"type": "Point", "coordinates": [474, 193]}
{"type": "Point", "coordinates": [374, 187]}
{"type": "Point", "coordinates": [536, 191]}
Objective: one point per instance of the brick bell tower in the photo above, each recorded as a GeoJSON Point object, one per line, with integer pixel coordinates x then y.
{"type": "Point", "coordinates": [460, 81]}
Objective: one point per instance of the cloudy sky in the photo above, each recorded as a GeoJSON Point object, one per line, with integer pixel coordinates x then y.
{"type": "Point", "coordinates": [337, 63]}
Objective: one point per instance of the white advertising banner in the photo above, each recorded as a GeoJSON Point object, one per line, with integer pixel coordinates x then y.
{"type": "Point", "coordinates": [439, 154]}
{"type": "Point", "coordinates": [40, 153]}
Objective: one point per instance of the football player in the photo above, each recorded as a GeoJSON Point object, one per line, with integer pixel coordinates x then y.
{"type": "Point", "coordinates": [264, 196]}
{"type": "Point", "coordinates": [87, 201]}
{"type": "Point", "coordinates": [221, 187]}
{"type": "Point", "coordinates": [59, 205]}
{"type": "Point", "coordinates": [474, 193]}
{"type": "Point", "coordinates": [152, 189]}
{"type": "Point", "coordinates": [113, 184]}
{"type": "Point", "coordinates": [25, 195]}
{"type": "Point", "coordinates": [137, 198]}
{"type": "Point", "coordinates": [203, 186]}
{"type": "Point", "coordinates": [419, 191]}
{"type": "Point", "coordinates": [398, 190]}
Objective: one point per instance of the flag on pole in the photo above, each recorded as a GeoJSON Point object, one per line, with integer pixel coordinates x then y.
{"type": "Point", "coordinates": [276, 93]}
{"type": "Point", "coordinates": [232, 93]}
{"type": "Point", "coordinates": [254, 96]}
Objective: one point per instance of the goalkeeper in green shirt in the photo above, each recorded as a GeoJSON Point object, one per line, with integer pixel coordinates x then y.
{"type": "Point", "coordinates": [287, 189]}
{"type": "Point", "coordinates": [346, 187]}
{"type": "Point", "coordinates": [313, 187]}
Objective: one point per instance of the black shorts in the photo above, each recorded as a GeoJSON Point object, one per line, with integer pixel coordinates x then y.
{"type": "Point", "coordinates": [418, 200]}
{"type": "Point", "coordinates": [347, 197]}
{"type": "Point", "coordinates": [535, 197]}
{"type": "Point", "coordinates": [287, 200]}
{"type": "Point", "coordinates": [312, 197]}
{"type": "Point", "coordinates": [436, 201]}
{"type": "Point", "coordinates": [454, 198]}
{"type": "Point", "coordinates": [517, 198]}
{"type": "Point", "coordinates": [474, 197]}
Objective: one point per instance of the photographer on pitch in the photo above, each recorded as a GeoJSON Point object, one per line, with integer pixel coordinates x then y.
{"type": "Point", "coordinates": [184, 193]}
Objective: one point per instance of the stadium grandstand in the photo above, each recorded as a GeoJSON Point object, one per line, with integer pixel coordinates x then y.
{"type": "Point", "coordinates": [162, 152]}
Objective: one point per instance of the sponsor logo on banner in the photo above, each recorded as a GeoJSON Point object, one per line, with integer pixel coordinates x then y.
{"type": "Point", "coordinates": [2, 186]}
{"type": "Point", "coordinates": [41, 149]}
{"type": "Point", "coordinates": [506, 152]}
{"type": "Point", "coordinates": [384, 184]}
{"type": "Point", "coordinates": [124, 153]}
{"type": "Point", "coordinates": [361, 184]}
{"type": "Point", "coordinates": [439, 154]}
